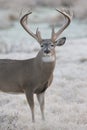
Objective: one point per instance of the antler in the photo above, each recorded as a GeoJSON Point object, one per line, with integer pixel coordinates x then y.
{"type": "Point", "coordinates": [68, 16]}
{"type": "Point", "coordinates": [23, 22]}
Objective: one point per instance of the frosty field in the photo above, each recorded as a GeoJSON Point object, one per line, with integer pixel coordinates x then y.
{"type": "Point", "coordinates": [66, 99]}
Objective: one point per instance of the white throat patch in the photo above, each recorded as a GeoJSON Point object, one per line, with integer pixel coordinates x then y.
{"type": "Point", "coordinates": [48, 58]}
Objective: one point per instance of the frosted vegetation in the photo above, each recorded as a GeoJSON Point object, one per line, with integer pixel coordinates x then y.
{"type": "Point", "coordinates": [66, 99]}
{"type": "Point", "coordinates": [14, 38]}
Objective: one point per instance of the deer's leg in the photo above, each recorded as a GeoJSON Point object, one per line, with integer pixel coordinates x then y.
{"type": "Point", "coordinates": [40, 98]}
{"type": "Point", "coordinates": [30, 98]}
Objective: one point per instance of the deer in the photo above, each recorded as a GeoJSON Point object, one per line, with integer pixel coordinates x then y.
{"type": "Point", "coordinates": [34, 75]}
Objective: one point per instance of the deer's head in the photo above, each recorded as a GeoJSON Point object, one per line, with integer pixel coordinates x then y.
{"type": "Point", "coordinates": [48, 45]}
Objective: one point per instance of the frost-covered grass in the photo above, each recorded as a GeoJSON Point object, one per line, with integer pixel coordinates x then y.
{"type": "Point", "coordinates": [66, 99]}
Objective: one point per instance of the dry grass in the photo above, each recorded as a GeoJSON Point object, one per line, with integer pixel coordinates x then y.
{"type": "Point", "coordinates": [79, 6]}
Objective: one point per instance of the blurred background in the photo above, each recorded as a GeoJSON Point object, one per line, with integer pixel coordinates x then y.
{"type": "Point", "coordinates": [67, 96]}
{"type": "Point", "coordinates": [14, 38]}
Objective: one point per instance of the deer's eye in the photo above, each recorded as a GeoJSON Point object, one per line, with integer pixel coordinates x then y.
{"type": "Point", "coordinates": [41, 45]}
{"type": "Point", "coordinates": [52, 45]}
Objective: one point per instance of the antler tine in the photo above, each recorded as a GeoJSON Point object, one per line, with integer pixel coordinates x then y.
{"type": "Point", "coordinates": [53, 30]}
{"type": "Point", "coordinates": [68, 15]}
{"type": "Point", "coordinates": [23, 22]}
{"type": "Point", "coordinates": [38, 34]}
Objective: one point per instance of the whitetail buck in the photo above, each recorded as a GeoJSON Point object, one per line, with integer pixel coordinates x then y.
{"type": "Point", "coordinates": [33, 76]}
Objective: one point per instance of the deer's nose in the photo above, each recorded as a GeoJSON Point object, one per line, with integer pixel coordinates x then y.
{"type": "Point", "coordinates": [47, 51]}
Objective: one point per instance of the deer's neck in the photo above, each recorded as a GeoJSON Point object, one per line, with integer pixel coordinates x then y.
{"type": "Point", "coordinates": [46, 63]}
{"type": "Point", "coordinates": [48, 59]}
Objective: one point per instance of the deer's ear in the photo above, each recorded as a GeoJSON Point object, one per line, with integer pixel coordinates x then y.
{"type": "Point", "coordinates": [60, 41]}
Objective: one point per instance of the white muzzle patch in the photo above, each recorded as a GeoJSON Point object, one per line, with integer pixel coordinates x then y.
{"type": "Point", "coordinates": [48, 58]}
